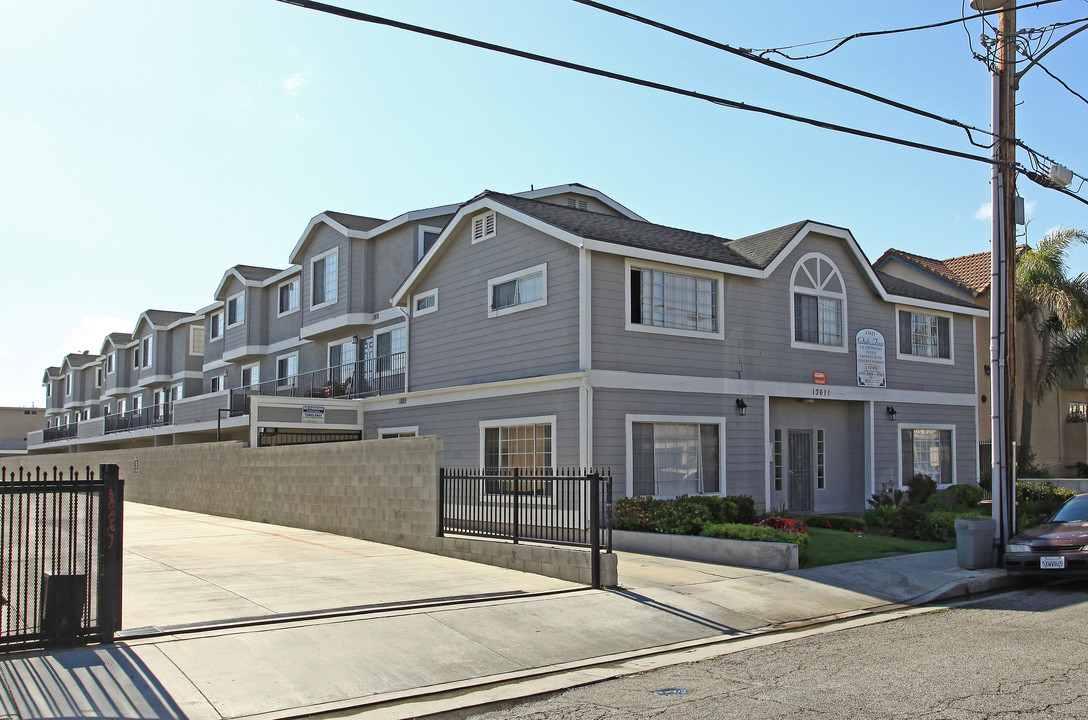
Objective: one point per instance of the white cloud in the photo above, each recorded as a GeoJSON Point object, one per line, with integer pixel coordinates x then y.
{"type": "Point", "coordinates": [985, 212]}
{"type": "Point", "coordinates": [296, 81]}
{"type": "Point", "coordinates": [90, 334]}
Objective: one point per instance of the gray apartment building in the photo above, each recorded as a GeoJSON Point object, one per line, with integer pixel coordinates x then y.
{"type": "Point", "coordinates": [557, 328]}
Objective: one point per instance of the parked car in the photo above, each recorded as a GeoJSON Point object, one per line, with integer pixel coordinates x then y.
{"type": "Point", "coordinates": [1058, 546]}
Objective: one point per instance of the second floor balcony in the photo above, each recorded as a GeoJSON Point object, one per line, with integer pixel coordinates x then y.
{"type": "Point", "coordinates": [147, 417]}
{"type": "Point", "coordinates": [383, 375]}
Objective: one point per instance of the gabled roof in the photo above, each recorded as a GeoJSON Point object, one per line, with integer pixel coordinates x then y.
{"type": "Point", "coordinates": [246, 274]}
{"type": "Point", "coordinates": [755, 256]}
{"type": "Point", "coordinates": [115, 340]}
{"type": "Point", "coordinates": [51, 373]}
{"type": "Point", "coordinates": [159, 319]}
{"type": "Point", "coordinates": [354, 222]}
{"type": "Point", "coordinates": [970, 273]}
{"type": "Point", "coordinates": [74, 361]}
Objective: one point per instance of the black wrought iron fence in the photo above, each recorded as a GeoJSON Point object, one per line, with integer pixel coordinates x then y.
{"type": "Point", "coordinates": [60, 432]}
{"type": "Point", "coordinates": [145, 417]}
{"type": "Point", "coordinates": [567, 507]}
{"type": "Point", "coordinates": [60, 556]}
{"type": "Point", "coordinates": [374, 376]}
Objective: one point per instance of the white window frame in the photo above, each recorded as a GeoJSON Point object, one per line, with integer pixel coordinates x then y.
{"type": "Point", "coordinates": [280, 312]}
{"type": "Point", "coordinates": [136, 356]}
{"type": "Point", "coordinates": [137, 402]}
{"type": "Point", "coordinates": [630, 293]}
{"type": "Point", "coordinates": [340, 343]}
{"type": "Point", "coordinates": [219, 380]}
{"type": "Point", "coordinates": [147, 350]}
{"type": "Point", "coordinates": [924, 426]}
{"type": "Point", "coordinates": [416, 311]}
{"type": "Point", "coordinates": [335, 252]}
{"type": "Point", "coordinates": [177, 392]}
{"type": "Point", "coordinates": [239, 300]}
{"type": "Point", "coordinates": [518, 422]}
{"type": "Point", "coordinates": [420, 235]}
{"type": "Point", "coordinates": [67, 384]}
{"type": "Point", "coordinates": [629, 422]}
{"type": "Point", "coordinates": [288, 381]}
{"type": "Point", "coordinates": [950, 360]}
{"type": "Point", "coordinates": [398, 432]}
{"type": "Point", "coordinates": [197, 333]}
{"type": "Point", "coordinates": [122, 406]}
{"type": "Point", "coordinates": [111, 363]}
{"type": "Point", "coordinates": [818, 291]}
{"type": "Point", "coordinates": [484, 226]}
{"type": "Point", "coordinates": [212, 322]}
{"type": "Point", "coordinates": [249, 368]}
{"type": "Point", "coordinates": [541, 270]}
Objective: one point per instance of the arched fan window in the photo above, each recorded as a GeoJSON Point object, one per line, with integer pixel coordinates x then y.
{"type": "Point", "coordinates": [819, 304]}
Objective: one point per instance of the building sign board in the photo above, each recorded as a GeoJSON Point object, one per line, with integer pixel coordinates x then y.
{"type": "Point", "coordinates": [820, 378]}
{"type": "Point", "coordinates": [872, 369]}
{"type": "Point", "coordinates": [313, 414]}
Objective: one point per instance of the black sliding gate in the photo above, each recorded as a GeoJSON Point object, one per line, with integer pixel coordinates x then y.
{"type": "Point", "coordinates": [60, 557]}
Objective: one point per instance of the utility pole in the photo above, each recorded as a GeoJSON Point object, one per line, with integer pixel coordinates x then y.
{"type": "Point", "coordinates": [1002, 271]}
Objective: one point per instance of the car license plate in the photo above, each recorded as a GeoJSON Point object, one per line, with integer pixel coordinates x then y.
{"type": "Point", "coordinates": [1052, 563]}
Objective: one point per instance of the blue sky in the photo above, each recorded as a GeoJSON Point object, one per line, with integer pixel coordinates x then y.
{"type": "Point", "coordinates": [146, 147]}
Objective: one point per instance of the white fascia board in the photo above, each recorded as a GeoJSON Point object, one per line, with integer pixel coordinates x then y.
{"type": "Point", "coordinates": [473, 208]}
{"type": "Point", "coordinates": [282, 275]}
{"type": "Point", "coordinates": [245, 351]}
{"type": "Point", "coordinates": [388, 225]}
{"type": "Point", "coordinates": [308, 332]}
{"type": "Point", "coordinates": [669, 258]}
{"type": "Point", "coordinates": [620, 380]}
{"type": "Point", "coordinates": [185, 321]}
{"type": "Point", "coordinates": [581, 190]}
{"type": "Point", "coordinates": [154, 380]}
{"type": "Point", "coordinates": [933, 305]}
{"type": "Point", "coordinates": [215, 306]}
{"type": "Point", "coordinates": [246, 282]}
{"type": "Point", "coordinates": [187, 375]}
{"type": "Point", "coordinates": [215, 365]}
{"type": "Point", "coordinates": [479, 391]}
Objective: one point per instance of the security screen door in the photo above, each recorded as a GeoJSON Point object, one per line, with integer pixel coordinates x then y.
{"type": "Point", "coordinates": [800, 470]}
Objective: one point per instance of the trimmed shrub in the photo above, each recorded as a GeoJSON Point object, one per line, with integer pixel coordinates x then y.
{"type": "Point", "coordinates": [938, 526]}
{"type": "Point", "coordinates": [684, 515]}
{"type": "Point", "coordinates": [762, 533]}
{"type": "Point", "coordinates": [968, 496]}
{"type": "Point", "coordinates": [836, 522]}
{"type": "Point", "coordinates": [921, 488]}
{"type": "Point", "coordinates": [1036, 500]}
{"type": "Point", "coordinates": [882, 516]}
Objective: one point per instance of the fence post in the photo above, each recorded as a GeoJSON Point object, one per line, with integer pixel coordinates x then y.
{"type": "Point", "coordinates": [441, 500]}
{"type": "Point", "coordinates": [595, 528]}
{"type": "Point", "coordinates": [517, 505]}
{"type": "Point", "coordinates": [110, 534]}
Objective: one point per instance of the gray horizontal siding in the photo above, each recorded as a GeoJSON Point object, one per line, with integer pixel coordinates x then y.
{"type": "Point", "coordinates": [460, 344]}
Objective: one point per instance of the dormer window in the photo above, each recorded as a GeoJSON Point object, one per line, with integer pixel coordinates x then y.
{"type": "Point", "coordinates": [148, 356]}
{"type": "Point", "coordinates": [483, 226]}
{"type": "Point", "coordinates": [236, 310]}
{"type": "Point", "coordinates": [818, 304]}
{"type": "Point", "coordinates": [323, 271]}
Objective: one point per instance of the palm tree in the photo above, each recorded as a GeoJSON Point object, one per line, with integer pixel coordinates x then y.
{"type": "Point", "coordinates": [1052, 322]}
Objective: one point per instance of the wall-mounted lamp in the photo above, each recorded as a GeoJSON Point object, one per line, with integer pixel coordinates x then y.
{"type": "Point", "coordinates": [892, 414]}
{"type": "Point", "coordinates": [742, 407]}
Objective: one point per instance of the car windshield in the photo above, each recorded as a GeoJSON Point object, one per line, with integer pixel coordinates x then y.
{"type": "Point", "coordinates": [1073, 511]}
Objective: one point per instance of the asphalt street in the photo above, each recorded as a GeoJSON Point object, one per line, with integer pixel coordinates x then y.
{"type": "Point", "coordinates": [1018, 655]}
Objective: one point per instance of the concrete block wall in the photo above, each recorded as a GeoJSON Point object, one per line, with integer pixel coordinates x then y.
{"type": "Point", "coordinates": [380, 490]}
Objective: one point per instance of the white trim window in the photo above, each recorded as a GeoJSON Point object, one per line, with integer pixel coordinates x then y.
{"type": "Point", "coordinates": [398, 432]}
{"type": "Point", "coordinates": [122, 406]}
{"type": "Point", "coordinates": [522, 290]}
{"type": "Point", "coordinates": [111, 363]}
{"type": "Point", "coordinates": [522, 443]}
{"type": "Point", "coordinates": [251, 374]}
{"type": "Point", "coordinates": [236, 309]}
{"type": "Point", "coordinates": [68, 384]}
{"type": "Point", "coordinates": [323, 279]}
{"type": "Point", "coordinates": [177, 392]}
{"type": "Point", "coordinates": [425, 303]}
{"type": "Point", "coordinates": [287, 370]}
{"type": "Point", "coordinates": [136, 356]}
{"type": "Point", "coordinates": [426, 237]}
{"type": "Point", "coordinates": [818, 305]}
{"type": "Point", "coordinates": [924, 336]}
{"type": "Point", "coordinates": [137, 403]}
{"type": "Point", "coordinates": [215, 325]}
{"type": "Point", "coordinates": [98, 376]}
{"type": "Point", "coordinates": [196, 339]}
{"type": "Point", "coordinates": [219, 382]}
{"type": "Point", "coordinates": [341, 353]}
{"type": "Point", "coordinates": [673, 456]}
{"type": "Point", "coordinates": [673, 302]}
{"type": "Point", "coordinates": [927, 450]}
{"type": "Point", "coordinates": [147, 348]}
{"type": "Point", "coordinates": [484, 226]}
{"type": "Point", "coordinates": [287, 297]}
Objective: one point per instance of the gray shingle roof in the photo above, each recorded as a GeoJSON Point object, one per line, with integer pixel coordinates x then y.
{"type": "Point", "coordinates": [253, 272]}
{"type": "Point", "coordinates": [762, 248]}
{"type": "Point", "coordinates": [164, 317]}
{"type": "Point", "coordinates": [119, 338]}
{"type": "Point", "coordinates": [355, 222]}
{"type": "Point", "coordinates": [80, 359]}
{"type": "Point", "coordinates": [897, 286]}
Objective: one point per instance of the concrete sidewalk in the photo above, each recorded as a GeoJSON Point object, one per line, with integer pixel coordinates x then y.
{"type": "Point", "coordinates": [229, 619]}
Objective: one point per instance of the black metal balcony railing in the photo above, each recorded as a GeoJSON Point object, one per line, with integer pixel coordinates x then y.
{"type": "Point", "coordinates": [146, 417]}
{"type": "Point", "coordinates": [61, 432]}
{"type": "Point", "coordinates": [365, 378]}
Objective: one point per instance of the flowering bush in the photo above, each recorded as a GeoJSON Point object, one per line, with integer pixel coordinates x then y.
{"type": "Point", "coordinates": [785, 524]}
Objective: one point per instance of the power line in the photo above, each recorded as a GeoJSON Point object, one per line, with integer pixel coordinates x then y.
{"type": "Point", "coordinates": [725, 102]}
{"type": "Point", "coordinates": [839, 42]}
{"type": "Point", "coordinates": [749, 55]}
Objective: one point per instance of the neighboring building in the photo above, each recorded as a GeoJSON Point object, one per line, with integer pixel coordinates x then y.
{"type": "Point", "coordinates": [1059, 434]}
{"type": "Point", "coordinates": [557, 328]}
{"type": "Point", "coordinates": [15, 424]}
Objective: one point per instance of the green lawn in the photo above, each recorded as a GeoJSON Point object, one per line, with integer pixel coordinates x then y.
{"type": "Point", "coordinates": [830, 547]}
